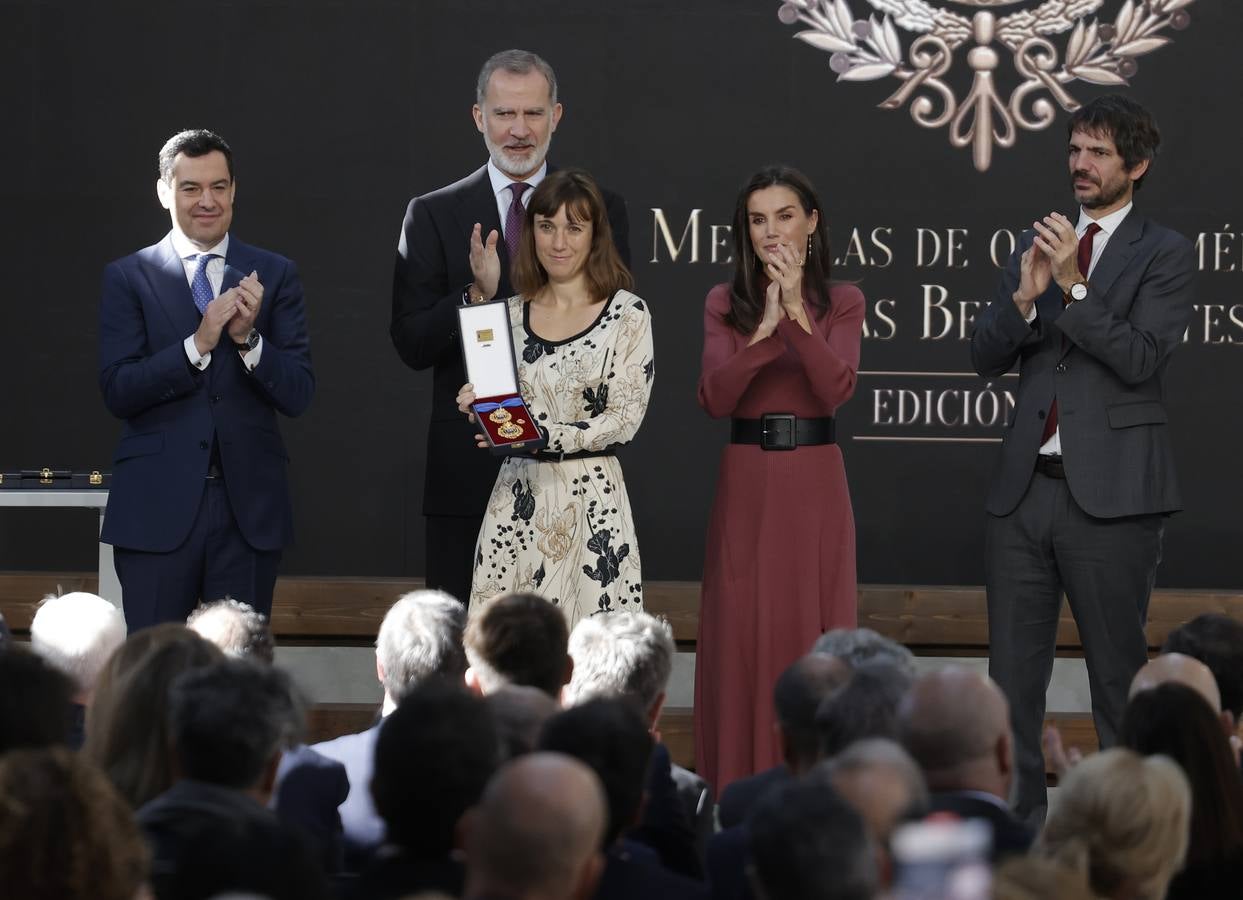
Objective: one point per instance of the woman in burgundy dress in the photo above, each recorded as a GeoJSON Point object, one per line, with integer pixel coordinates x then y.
{"type": "Point", "coordinates": [781, 351]}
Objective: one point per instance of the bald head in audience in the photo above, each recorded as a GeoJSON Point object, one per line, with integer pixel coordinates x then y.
{"type": "Point", "coordinates": [76, 633]}
{"type": "Point", "coordinates": [797, 696]}
{"type": "Point", "coordinates": [520, 712]}
{"type": "Point", "coordinates": [955, 723]}
{"type": "Point", "coordinates": [1182, 670]}
{"type": "Point", "coordinates": [537, 831]}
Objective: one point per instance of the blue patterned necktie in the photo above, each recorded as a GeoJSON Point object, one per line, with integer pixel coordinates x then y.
{"type": "Point", "coordinates": [200, 287]}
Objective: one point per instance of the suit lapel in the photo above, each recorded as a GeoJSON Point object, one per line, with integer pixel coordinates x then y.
{"type": "Point", "coordinates": [238, 263]}
{"type": "Point", "coordinates": [1114, 259]}
{"type": "Point", "coordinates": [166, 275]}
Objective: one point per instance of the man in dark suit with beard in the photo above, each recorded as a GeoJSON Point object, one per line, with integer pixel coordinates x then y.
{"type": "Point", "coordinates": [516, 111]}
{"type": "Point", "coordinates": [1090, 307]}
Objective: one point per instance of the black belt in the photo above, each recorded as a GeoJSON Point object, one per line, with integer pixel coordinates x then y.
{"type": "Point", "coordinates": [1051, 466]}
{"type": "Point", "coordinates": [558, 456]}
{"type": "Point", "coordinates": [783, 431]}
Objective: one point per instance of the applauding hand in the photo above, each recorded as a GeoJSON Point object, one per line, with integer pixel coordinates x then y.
{"type": "Point", "coordinates": [485, 264]}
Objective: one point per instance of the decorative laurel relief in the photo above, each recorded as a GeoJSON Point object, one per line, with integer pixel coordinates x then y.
{"type": "Point", "coordinates": [1096, 52]}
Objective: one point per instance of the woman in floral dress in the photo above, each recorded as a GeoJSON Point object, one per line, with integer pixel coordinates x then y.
{"type": "Point", "coordinates": [558, 522]}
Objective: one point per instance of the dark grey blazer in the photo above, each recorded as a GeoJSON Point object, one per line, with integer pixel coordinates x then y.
{"type": "Point", "coordinates": [1108, 373]}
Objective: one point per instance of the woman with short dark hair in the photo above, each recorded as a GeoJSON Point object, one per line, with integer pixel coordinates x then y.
{"type": "Point", "coordinates": [781, 352]}
{"type": "Point", "coordinates": [558, 522]}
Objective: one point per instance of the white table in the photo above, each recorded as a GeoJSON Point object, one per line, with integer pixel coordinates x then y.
{"type": "Point", "coordinates": [109, 584]}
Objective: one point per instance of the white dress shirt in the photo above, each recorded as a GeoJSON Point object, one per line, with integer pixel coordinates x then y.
{"type": "Point", "coordinates": [504, 196]}
{"type": "Point", "coordinates": [1109, 224]}
{"type": "Point", "coordinates": [215, 276]}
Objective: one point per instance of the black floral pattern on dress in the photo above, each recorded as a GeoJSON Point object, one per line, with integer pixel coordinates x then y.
{"type": "Point", "coordinates": [597, 400]}
{"type": "Point", "coordinates": [533, 348]}
{"type": "Point", "coordinates": [608, 560]}
{"type": "Point", "coordinates": [605, 602]}
{"type": "Point", "coordinates": [649, 369]}
{"type": "Point", "coordinates": [524, 501]}
{"type": "Point", "coordinates": [538, 577]}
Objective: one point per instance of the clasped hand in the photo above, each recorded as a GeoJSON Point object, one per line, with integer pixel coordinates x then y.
{"type": "Point", "coordinates": [784, 294]}
{"type": "Point", "coordinates": [1053, 256]}
{"type": "Point", "coordinates": [234, 312]}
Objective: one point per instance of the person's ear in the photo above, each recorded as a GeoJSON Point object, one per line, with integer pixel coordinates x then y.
{"type": "Point", "coordinates": [164, 191]}
{"type": "Point", "coordinates": [472, 681]}
{"type": "Point", "coordinates": [267, 781]}
{"type": "Point", "coordinates": [589, 877]}
{"type": "Point", "coordinates": [653, 714]}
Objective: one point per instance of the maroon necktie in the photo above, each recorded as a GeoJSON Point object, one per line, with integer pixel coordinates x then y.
{"type": "Point", "coordinates": [514, 218]}
{"type": "Point", "coordinates": [1085, 262]}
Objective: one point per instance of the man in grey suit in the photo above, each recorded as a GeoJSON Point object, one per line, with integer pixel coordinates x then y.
{"type": "Point", "coordinates": [1090, 310]}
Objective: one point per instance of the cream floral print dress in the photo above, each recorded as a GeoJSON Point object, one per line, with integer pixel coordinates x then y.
{"type": "Point", "coordinates": [562, 528]}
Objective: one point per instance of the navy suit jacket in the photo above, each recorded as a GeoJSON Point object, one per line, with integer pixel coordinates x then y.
{"type": "Point", "coordinates": [172, 413]}
{"type": "Point", "coordinates": [362, 826]}
{"type": "Point", "coordinates": [1104, 358]}
{"type": "Point", "coordinates": [433, 266]}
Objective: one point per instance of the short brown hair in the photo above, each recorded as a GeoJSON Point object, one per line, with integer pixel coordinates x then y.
{"type": "Point", "coordinates": [65, 831]}
{"type": "Point", "coordinates": [519, 639]}
{"type": "Point", "coordinates": [578, 192]}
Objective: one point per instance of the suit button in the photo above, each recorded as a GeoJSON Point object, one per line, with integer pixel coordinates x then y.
{"type": "Point", "coordinates": [215, 398]}
{"type": "Point", "coordinates": [203, 445]}
{"type": "Point", "coordinates": [1061, 368]}
{"type": "Point", "coordinates": [1040, 413]}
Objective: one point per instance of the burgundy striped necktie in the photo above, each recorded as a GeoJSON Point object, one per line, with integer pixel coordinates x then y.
{"type": "Point", "coordinates": [1085, 262]}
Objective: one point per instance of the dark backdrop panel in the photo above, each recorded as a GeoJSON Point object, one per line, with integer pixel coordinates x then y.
{"type": "Point", "coordinates": [338, 113]}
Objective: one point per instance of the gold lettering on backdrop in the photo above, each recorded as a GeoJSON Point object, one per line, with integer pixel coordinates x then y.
{"type": "Point", "coordinates": [930, 244]}
{"type": "Point", "coordinates": [722, 237]}
{"type": "Point", "coordinates": [879, 323]}
{"type": "Point", "coordinates": [660, 229]}
{"type": "Point", "coordinates": [941, 315]}
{"type": "Point", "coordinates": [857, 249]}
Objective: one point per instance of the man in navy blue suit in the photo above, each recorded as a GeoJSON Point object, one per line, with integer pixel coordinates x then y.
{"type": "Point", "coordinates": [202, 340]}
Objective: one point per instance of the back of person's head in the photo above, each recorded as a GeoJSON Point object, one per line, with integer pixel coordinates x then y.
{"type": "Point", "coordinates": [538, 830]}
{"type": "Point", "coordinates": [1038, 878]}
{"type": "Point", "coordinates": [1174, 720]}
{"type": "Point", "coordinates": [77, 633]}
{"type": "Point", "coordinates": [881, 781]}
{"type": "Point", "coordinates": [866, 706]}
{"type": "Point", "coordinates": [65, 833]}
{"type": "Point", "coordinates": [955, 723]}
{"type": "Point", "coordinates": [237, 628]}
{"type": "Point", "coordinates": [518, 639]}
{"type": "Point", "coordinates": [1123, 816]}
{"type": "Point", "coordinates": [35, 701]}
{"type": "Point", "coordinates": [797, 694]}
{"type": "Point", "coordinates": [862, 645]}
{"type": "Point", "coordinates": [434, 755]}
{"type": "Point", "coordinates": [230, 720]}
{"type": "Point", "coordinates": [1217, 641]}
{"type": "Point", "coordinates": [1178, 669]}
{"type": "Point", "coordinates": [625, 654]}
{"type": "Point", "coordinates": [807, 843]}
{"type": "Point", "coordinates": [420, 638]}
{"type": "Point", "coordinates": [127, 731]}
{"type": "Point", "coordinates": [612, 738]}
{"type": "Point", "coordinates": [520, 713]}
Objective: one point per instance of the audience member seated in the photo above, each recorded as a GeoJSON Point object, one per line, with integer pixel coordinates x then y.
{"type": "Point", "coordinates": [77, 633]}
{"type": "Point", "coordinates": [36, 708]}
{"type": "Point", "coordinates": [796, 697]}
{"type": "Point", "coordinates": [1123, 818]}
{"type": "Point", "coordinates": [613, 738]}
{"type": "Point", "coordinates": [856, 646]}
{"type": "Point", "coordinates": [520, 713]}
{"type": "Point", "coordinates": [807, 843]}
{"type": "Point", "coordinates": [419, 639]}
{"type": "Point", "coordinates": [309, 786]}
{"type": "Point", "coordinates": [127, 732]}
{"type": "Point", "coordinates": [1175, 721]}
{"type": "Point", "coordinates": [537, 831]}
{"type": "Point", "coordinates": [884, 785]}
{"type": "Point", "coordinates": [434, 756]}
{"type": "Point", "coordinates": [1217, 641]}
{"type": "Point", "coordinates": [955, 723]}
{"type": "Point", "coordinates": [518, 639]}
{"type": "Point", "coordinates": [65, 833]}
{"type": "Point", "coordinates": [630, 655]}
{"type": "Point", "coordinates": [1037, 878]}
{"type": "Point", "coordinates": [211, 832]}
{"type": "Point", "coordinates": [237, 628]}
{"type": "Point", "coordinates": [866, 706]}
{"type": "Point", "coordinates": [1186, 670]}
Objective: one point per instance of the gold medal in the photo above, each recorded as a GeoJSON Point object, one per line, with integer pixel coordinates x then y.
{"type": "Point", "coordinates": [500, 415]}
{"type": "Point", "coordinates": [510, 430]}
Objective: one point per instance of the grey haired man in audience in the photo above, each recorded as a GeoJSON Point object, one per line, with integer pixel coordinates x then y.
{"type": "Point", "coordinates": [420, 638]}
{"type": "Point", "coordinates": [237, 628]}
{"type": "Point", "coordinates": [76, 633]}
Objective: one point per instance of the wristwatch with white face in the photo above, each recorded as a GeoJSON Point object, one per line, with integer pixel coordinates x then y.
{"type": "Point", "coordinates": [1078, 291]}
{"type": "Point", "coordinates": [250, 342]}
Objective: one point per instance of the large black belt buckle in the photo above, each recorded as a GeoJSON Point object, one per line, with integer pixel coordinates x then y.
{"type": "Point", "coordinates": [777, 431]}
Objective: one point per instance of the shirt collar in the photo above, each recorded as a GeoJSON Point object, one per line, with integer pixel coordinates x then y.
{"type": "Point", "coordinates": [1109, 224]}
{"type": "Point", "coordinates": [501, 181]}
{"type": "Point", "coordinates": [184, 248]}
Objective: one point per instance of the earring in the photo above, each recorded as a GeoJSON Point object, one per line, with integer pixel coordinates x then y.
{"type": "Point", "coordinates": [807, 255]}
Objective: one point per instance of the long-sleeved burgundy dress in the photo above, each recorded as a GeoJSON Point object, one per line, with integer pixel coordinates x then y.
{"type": "Point", "coordinates": [780, 562]}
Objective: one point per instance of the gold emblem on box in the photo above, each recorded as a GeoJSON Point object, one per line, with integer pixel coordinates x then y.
{"type": "Point", "coordinates": [483, 335]}
{"type": "Point", "coordinates": [96, 478]}
{"type": "Point", "coordinates": [45, 476]}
